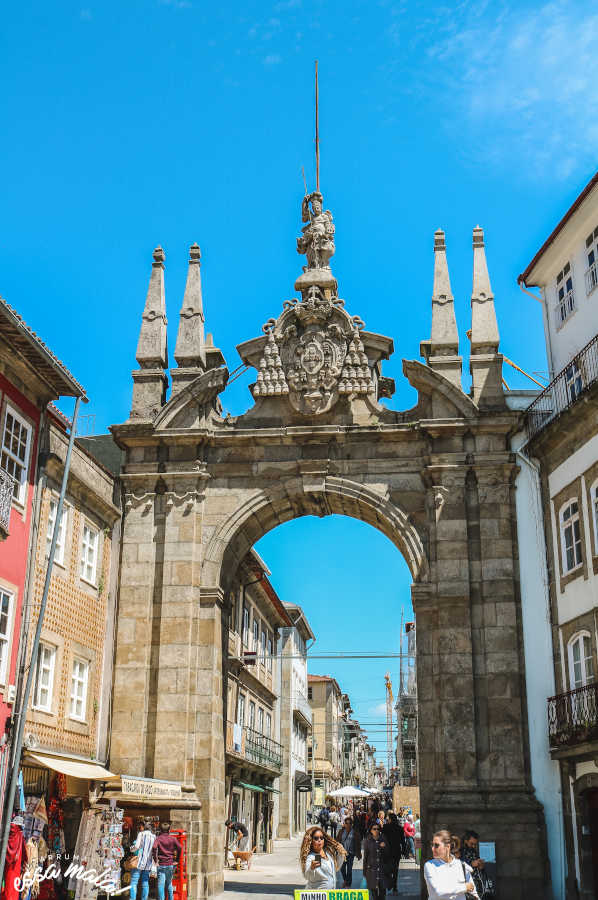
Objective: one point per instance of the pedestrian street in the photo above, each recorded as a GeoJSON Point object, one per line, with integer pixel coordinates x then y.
{"type": "Point", "coordinates": [276, 876]}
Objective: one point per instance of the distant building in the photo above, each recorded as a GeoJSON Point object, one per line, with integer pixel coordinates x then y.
{"type": "Point", "coordinates": [326, 752]}
{"type": "Point", "coordinates": [254, 754]}
{"type": "Point", "coordinates": [561, 433]}
{"type": "Point", "coordinates": [295, 723]}
{"type": "Point", "coordinates": [30, 378]}
{"type": "Point", "coordinates": [406, 710]}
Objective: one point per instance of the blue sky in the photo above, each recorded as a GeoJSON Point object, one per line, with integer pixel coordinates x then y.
{"type": "Point", "coordinates": [130, 124]}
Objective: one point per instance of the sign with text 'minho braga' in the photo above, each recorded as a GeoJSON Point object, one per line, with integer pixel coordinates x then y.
{"type": "Point", "coordinates": [337, 894]}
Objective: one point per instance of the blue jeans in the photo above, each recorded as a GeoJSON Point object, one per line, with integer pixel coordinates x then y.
{"type": "Point", "coordinates": [346, 869]}
{"type": "Point", "coordinates": [165, 880]}
{"type": "Point", "coordinates": [411, 845]}
{"type": "Point", "coordinates": [136, 875]}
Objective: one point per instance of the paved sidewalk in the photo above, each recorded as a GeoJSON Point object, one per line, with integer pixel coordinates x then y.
{"type": "Point", "coordinates": [276, 875]}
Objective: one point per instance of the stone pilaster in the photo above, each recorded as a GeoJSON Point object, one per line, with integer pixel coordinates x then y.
{"type": "Point", "coordinates": [485, 361]}
{"type": "Point", "coordinates": [149, 381]}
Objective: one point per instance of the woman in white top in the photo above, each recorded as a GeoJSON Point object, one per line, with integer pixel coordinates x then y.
{"type": "Point", "coordinates": [447, 878]}
{"type": "Point", "coordinates": [320, 857]}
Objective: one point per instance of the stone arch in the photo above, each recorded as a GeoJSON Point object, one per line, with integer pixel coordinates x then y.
{"type": "Point", "coordinates": [329, 495]}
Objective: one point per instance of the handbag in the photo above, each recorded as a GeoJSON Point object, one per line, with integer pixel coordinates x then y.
{"type": "Point", "coordinates": [131, 863]}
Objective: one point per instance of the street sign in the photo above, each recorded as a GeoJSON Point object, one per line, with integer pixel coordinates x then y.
{"type": "Point", "coordinates": [344, 894]}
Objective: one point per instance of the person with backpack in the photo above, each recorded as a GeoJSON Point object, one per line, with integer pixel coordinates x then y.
{"type": "Point", "coordinates": [334, 821]}
{"type": "Point", "coordinates": [324, 818]}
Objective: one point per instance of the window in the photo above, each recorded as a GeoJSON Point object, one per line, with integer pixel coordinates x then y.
{"type": "Point", "coordinates": [574, 381]}
{"type": "Point", "coordinates": [571, 537]}
{"type": "Point", "coordinates": [245, 625]}
{"type": "Point", "coordinates": [256, 634]}
{"type": "Point", "coordinates": [60, 540]}
{"type": "Point", "coordinates": [263, 647]}
{"type": "Point", "coordinates": [252, 714]}
{"type": "Point", "coordinates": [269, 654]}
{"type": "Point", "coordinates": [310, 693]}
{"type": "Point", "coordinates": [241, 710]}
{"type": "Point", "coordinates": [89, 553]}
{"type": "Point", "coordinates": [592, 253]}
{"type": "Point", "coordinates": [5, 626]}
{"type": "Point", "coordinates": [594, 512]}
{"type": "Point", "coordinates": [79, 680]}
{"type": "Point", "coordinates": [565, 296]}
{"type": "Point", "coordinates": [581, 664]}
{"type": "Point", "coordinates": [268, 730]}
{"type": "Point", "coordinates": [260, 720]}
{"type": "Point", "coordinates": [44, 677]}
{"type": "Point", "coordinates": [16, 441]}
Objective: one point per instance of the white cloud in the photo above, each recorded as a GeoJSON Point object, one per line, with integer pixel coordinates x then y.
{"type": "Point", "coordinates": [379, 710]}
{"type": "Point", "coordinates": [273, 59]}
{"type": "Point", "coordinates": [522, 79]}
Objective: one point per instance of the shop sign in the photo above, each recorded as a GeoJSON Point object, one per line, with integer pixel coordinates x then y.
{"type": "Point", "coordinates": [148, 789]}
{"type": "Point", "coordinates": [332, 895]}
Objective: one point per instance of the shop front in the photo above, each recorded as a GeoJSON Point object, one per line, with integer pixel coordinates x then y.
{"type": "Point", "coordinates": [301, 797]}
{"type": "Point", "coordinates": [253, 806]}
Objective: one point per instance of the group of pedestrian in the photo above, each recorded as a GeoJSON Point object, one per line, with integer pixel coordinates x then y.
{"type": "Point", "coordinates": [148, 850]}
{"type": "Point", "coordinates": [456, 869]}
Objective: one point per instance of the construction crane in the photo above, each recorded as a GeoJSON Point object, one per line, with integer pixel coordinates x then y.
{"type": "Point", "coordinates": [389, 737]}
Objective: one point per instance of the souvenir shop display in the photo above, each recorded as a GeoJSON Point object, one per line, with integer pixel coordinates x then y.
{"type": "Point", "coordinates": [100, 847]}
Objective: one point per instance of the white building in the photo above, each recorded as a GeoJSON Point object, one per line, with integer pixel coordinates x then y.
{"type": "Point", "coordinates": [561, 438]}
{"type": "Point", "coordinates": [295, 724]}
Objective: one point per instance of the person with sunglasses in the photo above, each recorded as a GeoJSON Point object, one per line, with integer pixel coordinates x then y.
{"type": "Point", "coordinates": [377, 863]}
{"type": "Point", "coordinates": [320, 858]}
{"type": "Point", "coordinates": [446, 877]}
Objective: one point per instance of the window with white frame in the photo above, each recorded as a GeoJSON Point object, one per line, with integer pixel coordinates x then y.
{"type": "Point", "coordinates": [256, 634]}
{"type": "Point", "coordinates": [44, 677]}
{"type": "Point", "coordinates": [89, 553]}
{"type": "Point", "coordinates": [571, 537]}
{"type": "Point", "coordinates": [6, 611]}
{"type": "Point", "coordinates": [573, 381]}
{"type": "Point", "coordinates": [79, 680]}
{"type": "Point", "coordinates": [268, 731]}
{"type": "Point", "coordinates": [260, 720]}
{"type": "Point", "coordinates": [60, 538]}
{"type": "Point", "coordinates": [263, 647]}
{"type": "Point", "coordinates": [269, 656]}
{"type": "Point", "coordinates": [16, 447]}
{"type": "Point", "coordinates": [581, 663]}
{"type": "Point", "coordinates": [565, 295]}
{"type": "Point", "coordinates": [245, 625]}
{"type": "Point", "coordinates": [592, 256]}
{"type": "Point", "coordinates": [241, 710]}
{"type": "Point", "coordinates": [251, 714]}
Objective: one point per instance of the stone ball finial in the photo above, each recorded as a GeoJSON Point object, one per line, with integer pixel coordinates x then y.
{"type": "Point", "coordinates": [194, 253]}
{"type": "Point", "coordinates": [159, 255]}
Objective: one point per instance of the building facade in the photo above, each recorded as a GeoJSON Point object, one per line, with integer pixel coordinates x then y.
{"type": "Point", "coordinates": [561, 431]}
{"type": "Point", "coordinates": [30, 378]}
{"type": "Point", "coordinates": [295, 723]}
{"type": "Point", "coordinates": [254, 755]}
{"type": "Point", "coordinates": [327, 703]}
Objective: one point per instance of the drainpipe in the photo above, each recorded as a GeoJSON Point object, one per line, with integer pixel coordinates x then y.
{"type": "Point", "coordinates": [22, 714]}
{"type": "Point", "coordinates": [541, 300]}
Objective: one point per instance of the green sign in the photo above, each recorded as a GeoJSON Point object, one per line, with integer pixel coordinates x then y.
{"type": "Point", "coordinates": [338, 894]}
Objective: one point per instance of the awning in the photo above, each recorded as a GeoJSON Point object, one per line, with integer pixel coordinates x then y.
{"type": "Point", "coordinates": [302, 781]}
{"type": "Point", "coordinates": [72, 767]}
{"type": "Point", "coordinates": [272, 790]}
{"type": "Point", "coordinates": [251, 787]}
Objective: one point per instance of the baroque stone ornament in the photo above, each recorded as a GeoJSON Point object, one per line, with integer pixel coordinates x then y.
{"type": "Point", "coordinates": [317, 240]}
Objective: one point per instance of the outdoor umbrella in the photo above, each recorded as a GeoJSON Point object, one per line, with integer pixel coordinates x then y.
{"type": "Point", "coordinates": [347, 791]}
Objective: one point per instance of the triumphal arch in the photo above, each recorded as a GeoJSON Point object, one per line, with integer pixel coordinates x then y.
{"type": "Point", "coordinates": [437, 479]}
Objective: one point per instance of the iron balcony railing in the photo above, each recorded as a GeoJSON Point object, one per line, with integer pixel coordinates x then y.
{"type": "Point", "coordinates": [574, 380]}
{"type": "Point", "coordinates": [573, 717]}
{"type": "Point", "coordinates": [252, 745]}
{"type": "Point", "coordinates": [7, 485]}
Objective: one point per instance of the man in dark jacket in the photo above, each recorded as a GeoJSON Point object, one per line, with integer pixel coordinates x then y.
{"type": "Point", "coordinates": [324, 818]}
{"type": "Point", "coordinates": [393, 834]}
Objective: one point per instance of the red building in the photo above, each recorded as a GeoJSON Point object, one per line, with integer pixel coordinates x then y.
{"type": "Point", "coordinates": [30, 378]}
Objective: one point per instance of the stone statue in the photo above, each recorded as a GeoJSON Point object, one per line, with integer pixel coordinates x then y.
{"type": "Point", "coordinates": [317, 240]}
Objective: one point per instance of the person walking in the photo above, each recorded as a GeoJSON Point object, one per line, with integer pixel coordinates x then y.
{"type": "Point", "coordinates": [142, 849]}
{"type": "Point", "coordinates": [320, 858]}
{"type": "Point", "coordinates": [166, 853]}
{"type": "Point", "coordinates": [393, 833]}
{"type": "Point", "coordinates": [409, 830]}
{"type": "Point", "coordinates": [445, 875]}
{"type": "Point", "coordinates": [377, 863]}
{"type": "Point", "coordinates": [334, 821]}
{"type": "Point", "coordinates": [324, 818]}
{"type": "Point", "coordinates": [351, 841]}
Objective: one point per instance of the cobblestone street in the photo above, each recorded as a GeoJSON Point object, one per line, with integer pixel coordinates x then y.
{"type": "Point", "coordinates": [276, 875]}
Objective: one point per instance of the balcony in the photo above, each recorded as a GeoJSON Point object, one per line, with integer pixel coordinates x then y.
{"type": "Point", "coordinates": [7, 484]}
{"type": "Point", "coordinates": [570, 384]}
{"type": "Point", "coordinates": [573, 717]}
{"type": "Point", "coordinates": [254, 747]}
{"type": "Point", "coordinates": [302, 707]}
{"type": "Point", "coordinates": [592, 277]}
